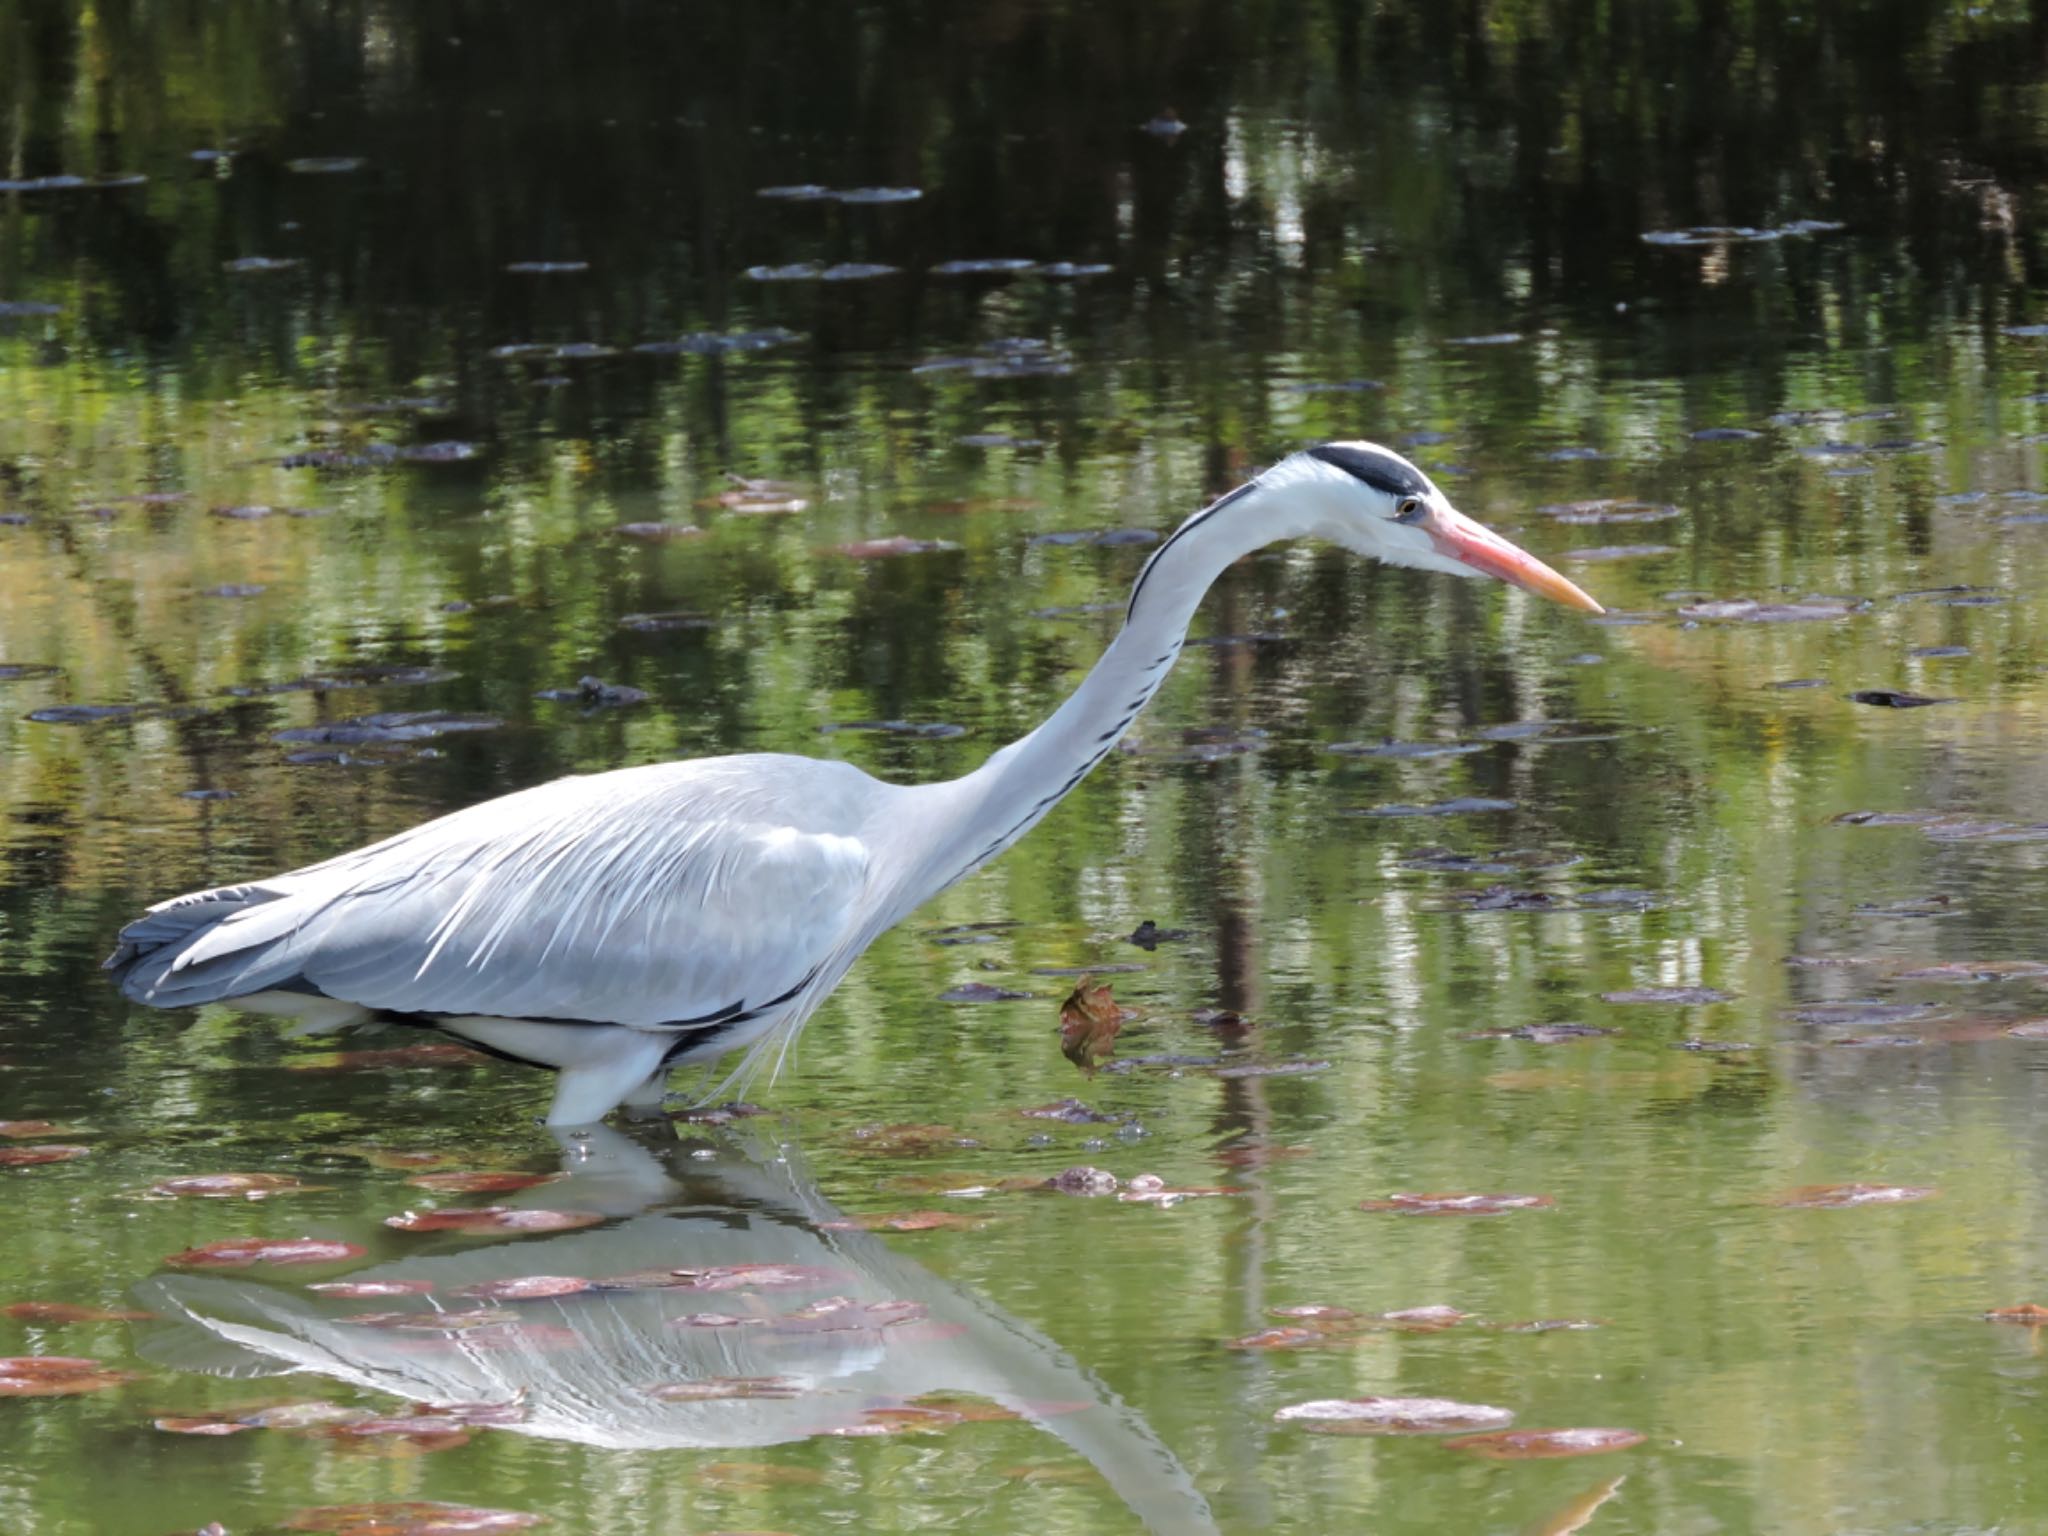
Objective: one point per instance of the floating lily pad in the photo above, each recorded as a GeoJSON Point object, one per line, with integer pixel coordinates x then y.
{"type": "Point", "coordinates": [229, 1186]}
{"type": "Point", "coordinates": [1392, 1415]}
{"type": "Point", "coordinates": [1836, 1197]}
{"type": "Point", "coordinates": [37, 1156]}
{"type": "Point", "coordinates": [86, 714]}
{"type": "Point", "coordinates": [242, 1252]}
{"type": "Point", "coordinates": [1457, 1204]}
{"type": "Point", "coordinates": [1686, 996]}
{"type": "Point", "coordinates": [492, 1218]}
{"type": "Point", "coordinates": [57, 1376]}
{"type": "Point", "coordinates": [1546, 1444]}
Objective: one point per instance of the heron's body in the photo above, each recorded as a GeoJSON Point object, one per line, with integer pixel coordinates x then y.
{"type": "Point", "coordinates": [616, 925]}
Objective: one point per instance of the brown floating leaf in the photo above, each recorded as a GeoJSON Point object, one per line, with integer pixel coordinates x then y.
{"type": "Point", "coordinates": [2027, 1315]}
{"type": "Point", "coordinates": [907, 1140]}
{"type": "Point", "coordinates": [241, 1252]}
{"type": "Point", "coordinates": [56, 1376]}
{"type": "Point", "coordinates": [883, 549]}
{"type": "Point", "coordinates": [480, 1183]}
{"type": "Point", "coordinates": [202, 1426]}
{"type": "Point", "coordinates": [52, 1314]}
{"type": "Point", "coordinates": [31, 1157]}
{"type": "Point", "coordinates": [1545, 1444]}
{"type": "Point", "coordinates": [1456, 1204]}
{"type": "Point", "coordinates": [904, 1221]}
{"type": "Point", "coordinates": [21, 1130]}
{"type": "Point", "coordinates": [1392, 1415]}
{"type": "Point", "coordinates": [1832, 1197]}
{"type": "Point", "coordinates": [491, 1218]}
{"type": "Point", "coordinates": [371, 1290]}
{"type": "Point", "coordinates": [412, 1517]}
{"type": "Point", "coordinates": [1089, 1021]}
{"type": "Point", "coordinates": [526, 1288]}
{"type": "Point", "coordinates": [1291, 1337]}
{"type": "Point", "coordinates": [1681, 995]}
{"type": "Point", "coordinates": [227, 1186]}
{"type": "Point", "coordinates": [730, 1277]}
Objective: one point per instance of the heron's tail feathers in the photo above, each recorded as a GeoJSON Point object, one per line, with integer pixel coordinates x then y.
{"type": "Point", "coordinates": [206, 946]}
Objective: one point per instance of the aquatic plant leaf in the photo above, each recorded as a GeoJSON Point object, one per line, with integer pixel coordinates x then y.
{"type": "Point", "coordinates": [1457, 1204]}
{"type": "Point", "coordinates": [1686, 996]}
{"type": "Point", "coordinates": [34, 1157]}
{"type": "Point", "coordinates": [491, 1218]}
{"type": "Point", "coordinates": [481, 1182]}
{"type": "Point", "coordinates": [242, 1252]}
{"type": "Point", "coordinates": [1393, 1415]}
{"type": "Point", "coordinates": [2028, 1315]}
{"type": "Point", "coordinates": [1090, 1020]}
{"type": "Point", "coordinates": [1836, 1197]}
{"type": "Point", "coordinates": [1545, 1444]}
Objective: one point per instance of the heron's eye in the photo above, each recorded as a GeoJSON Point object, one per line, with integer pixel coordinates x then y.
{"type": "Point", "coordinates": [1411, 508]}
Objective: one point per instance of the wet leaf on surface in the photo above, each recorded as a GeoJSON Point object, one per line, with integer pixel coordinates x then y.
{"type": "Point", "coordinates": [242, 1252]}
{"type": "Point", "coordinates": [1742, 610]}
{"type": "Point", "coordinates": [1457, 1204]}
{"type": "Point", "coordinates": [37, 1156]}
{"type": "Point", "coordinates": [370, 1290]}
{"type": "Point", "coordinates": [22, 1130]}
{"type": "Point", "coordinates": [1684, 996]}
{"type": "Point", "coordinates": [491, 1218]}
{"type": "Point", "coordinates": [891, 547]}
{"type": "Point", "coordinates": [1836, 1197]}
{"type": "Point", "coordinates": [1546, 1444]}
{"type": "Point", "coordinates": [481, 1182]}
{"type": "Point", "coordinates": [57, 1376]}
{"type": "Point", "coordinates": [197, 1426]}
{"type": "Point", "coordinates": [2026, 1315]}
{"type": "Point", "coordinates": [1892, 698]}
{"type": "Point", "coordinates": [525, 1288]}
{"type": "Point", "coordinates": [230, 1186]}
{"type": "Point", "coordinates": [1090, 1020]}
{"type": "Point", "coordinates": [1462, 805]}
{"type": "Point", "coordinates": [55, 1314]}
{"type": "Point", "coordinates": [412, 1517]}
{"type": "Point", "coordinates": [1392, 1415]}
{"type": "Point", "coordinates": [1858, 1012]}
{"type": "Point", "coordinates": [904, 1221]}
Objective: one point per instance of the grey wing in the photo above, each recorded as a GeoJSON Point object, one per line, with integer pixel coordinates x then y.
{"type": "Point", "coordinates": [672, 896]}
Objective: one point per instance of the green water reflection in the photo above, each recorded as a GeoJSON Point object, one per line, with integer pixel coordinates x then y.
{"type": "Point", "coordinates": [1421, 224]}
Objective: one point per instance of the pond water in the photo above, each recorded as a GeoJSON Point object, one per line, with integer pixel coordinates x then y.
{"type": "Point", "coordinates": [379, 366]}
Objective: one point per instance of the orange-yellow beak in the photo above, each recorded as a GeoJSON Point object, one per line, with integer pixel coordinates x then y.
{"type": "Point", "coordinates": [1457, 537]}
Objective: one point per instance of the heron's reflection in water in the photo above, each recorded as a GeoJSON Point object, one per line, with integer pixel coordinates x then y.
{"type": "Point", "coordinates": [779, 1326]}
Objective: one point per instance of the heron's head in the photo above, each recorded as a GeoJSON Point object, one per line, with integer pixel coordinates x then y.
{"type": "Point", "coordinates": [1376, 503]}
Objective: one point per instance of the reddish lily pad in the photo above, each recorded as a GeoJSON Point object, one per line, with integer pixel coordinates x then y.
{"type": "Point", "coordinates": [412, 1517]}
{"type": "Point", "coordinates": [491, 1218]}
{"type": "Point", "coordinates": [229, 1186]}
{"type": "Point", "coordinates": [1546, 1444]}
{"type": "Point", "coordinates": [1393, 1415]}
{"type": "Point", "coordinates": [480, 1183]}
{"type": "Point", "coordinates": [526, 1288]}
{"type": "Point", "coordinates": [202, 1426]}
{"type": "Point", "coordinates": [371, 1290]}
{"type": "Point", "coordinates": [1457, 1204]}
{"type": "Point", "coordinates": [22, 1130]}
{"type": "Point", "coordinates": [1686, 996]}
{"type": "Point", "coordinates": [1835, 1197]}
{"type": "Point", "coordinates": [56, 1376]}
{"type": "Point", "coordinates": [51, 1314]}
{"type": "Point", "coordinates": [2027, 1315]}
{"type": "Point", "coordinates": [33, 1157]}
{"type": "Point", "coordinates": [241, 1252]}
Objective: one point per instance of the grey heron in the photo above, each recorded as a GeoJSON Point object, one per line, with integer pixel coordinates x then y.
{"type": "Point", "coordinates": [616, 925]}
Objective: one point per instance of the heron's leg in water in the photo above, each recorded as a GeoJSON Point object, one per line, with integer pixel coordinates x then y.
{"type": "Point", "coordinates": [644, 1102]}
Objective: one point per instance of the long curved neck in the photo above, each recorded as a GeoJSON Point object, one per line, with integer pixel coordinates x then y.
{"type": "Point", "coordinates": [1004, 798]}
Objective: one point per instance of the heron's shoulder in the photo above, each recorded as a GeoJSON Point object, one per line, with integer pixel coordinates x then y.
{"type": "Point", "coordinates": [775, 788]}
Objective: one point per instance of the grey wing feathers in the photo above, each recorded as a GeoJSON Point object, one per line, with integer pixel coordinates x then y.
{"type": "Point", "coordinates": [650, 896]}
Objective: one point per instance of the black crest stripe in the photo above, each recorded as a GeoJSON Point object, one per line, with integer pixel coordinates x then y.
{"type": "Point", "coordinates": [1379, 469]}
